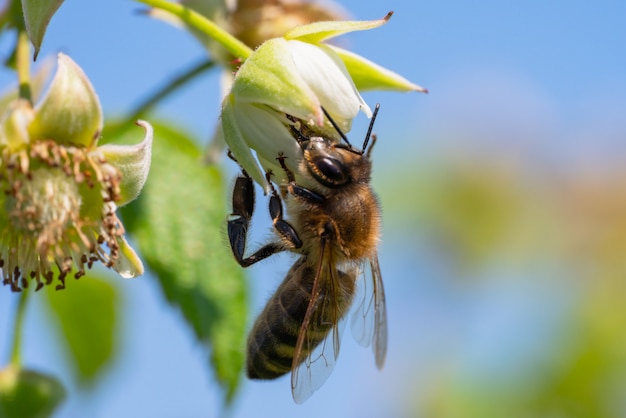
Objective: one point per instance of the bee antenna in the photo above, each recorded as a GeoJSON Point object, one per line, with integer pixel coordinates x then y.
{"type": "Point", "coordinates": [369, 130]}
{"type": "Point", "coordinates": [332, 122]}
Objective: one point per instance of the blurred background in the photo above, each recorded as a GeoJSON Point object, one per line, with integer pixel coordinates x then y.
{"type": "Point", "coordinates": [504, 199]}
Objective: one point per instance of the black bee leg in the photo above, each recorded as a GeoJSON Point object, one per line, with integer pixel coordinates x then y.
{"type": "Point", "coordinates": [300, 138]}
{"type": "Point", "coordinates": [299, 192]}
{"type": "Point", "coordinates": [239, 221]}
{"type": "Point", "coordinates": [284, 228]}
{"type": "Point", "coordinates": [281, 160]}
{"type": "Point", "coordinates": [369, 150]}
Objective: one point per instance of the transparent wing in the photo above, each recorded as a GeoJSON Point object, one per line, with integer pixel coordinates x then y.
{"type": "Point", "coordinates": [313, 372]}
{"type": "Point", "coordinates": [369, 320]}
{"type": "Point", "coordinates": [319, 338]}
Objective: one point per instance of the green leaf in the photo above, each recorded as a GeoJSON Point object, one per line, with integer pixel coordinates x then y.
{"type": "Point", "coordinates": [11, 15]}
{"type": "Point", "coordinates": [86, 312]}
{"type": "Point", "coordinates": [37, 15]}
{"type": "Point", "coordinates": [178, 223]}
{"type": "Point", "coordinates": [28, 393]}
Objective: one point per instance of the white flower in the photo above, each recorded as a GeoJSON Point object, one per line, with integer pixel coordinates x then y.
{"type": "Point", "coordinates": [287, 81]}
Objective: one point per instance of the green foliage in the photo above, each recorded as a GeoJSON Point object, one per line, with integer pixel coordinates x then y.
{"type": "Point", "coordinates": [28, 394]}
{"type": "Point", "coordinates": [37, 15]}
{"type": "Point", "coordinates": [11, 18]}
{"type": "Point", "coordinates": [491, 216]}
{"type": "Point", "coordinates": [178, 223]}
{"type": "Point", "coordinates": [86, 313]}
{"type": "Point", "coordinates": [11, 15]}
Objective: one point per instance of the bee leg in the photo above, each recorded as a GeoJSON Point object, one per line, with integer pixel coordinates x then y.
{"type": "Point", "coordinates": [284, 228]}
{"type": "Point", "coordinates": [297, 134]}
{"type": "Point", "coordinates": [239, 220]}
{"type": "Point", "coordinates": [302, 193]}
{"type": "Point", "coordinates": [298, 192]}
{"type": "Point", "coordinates": [281, 159]}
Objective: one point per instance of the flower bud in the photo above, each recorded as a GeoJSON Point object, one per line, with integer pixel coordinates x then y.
{"type": "Point", "coordinates": [28, 393]}
{"type": "Point", "coordinates": [70, 112]}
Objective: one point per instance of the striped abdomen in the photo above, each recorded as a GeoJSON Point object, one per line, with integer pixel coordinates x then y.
{"type": "Point", "coordinates": [272, 341]}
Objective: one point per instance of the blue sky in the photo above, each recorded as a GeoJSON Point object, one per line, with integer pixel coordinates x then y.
{"type": "Point", "coordinates": [550, 77]}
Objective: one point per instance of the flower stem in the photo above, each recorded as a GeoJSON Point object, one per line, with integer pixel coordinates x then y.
{"type": "Point", "coordinates": [23, 65]}
{"type": "Point", "coordinates": [204, 25]}
{"type": "Point", "coordinates": [17, 329]}
{"type": "Point", "coordinates": [157, 96]}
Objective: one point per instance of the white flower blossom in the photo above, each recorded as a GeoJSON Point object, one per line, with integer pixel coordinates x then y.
{"type": "Point", "coordinates": [290, 81]}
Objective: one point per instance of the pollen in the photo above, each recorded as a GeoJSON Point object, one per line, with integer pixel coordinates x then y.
{"type": "Point", "coordinates": [57, 214]}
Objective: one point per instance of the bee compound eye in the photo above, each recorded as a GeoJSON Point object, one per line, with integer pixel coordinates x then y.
{"type": "Point", "coordinates": [330, 171]}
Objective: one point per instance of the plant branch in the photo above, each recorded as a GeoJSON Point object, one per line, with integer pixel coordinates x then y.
{"type": "Point", "coordinates": [23, 65]}
{"type": "Point", "coordinates": [204, 25]}
{"type": "Point", "coordinates": [164, 91]}
{"type": "Point", "coordinates": [18, 327]}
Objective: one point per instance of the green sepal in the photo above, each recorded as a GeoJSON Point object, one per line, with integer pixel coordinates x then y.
{"type": "Point", "coordinates": [321, 31]}
{"type": "Point", "coordinates": [368, 75]}
{"type": "Point", "coordinates": [70, 112]}
{"type": "Point", "coordinates": [13, 129]}
{"type": "Point", "coordinates": [128, 264]}
{"type": "Point", "coordinates": [133, 161]}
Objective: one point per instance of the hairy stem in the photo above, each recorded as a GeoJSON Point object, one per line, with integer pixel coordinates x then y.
{"type": "Point", "coordinates": [18, 326]}
{"type": "Point", "coordinates": [204, 25]}
{"type": "Point", "coordinates": [23, 65]}
{"type": "Point", "coordinates": [158, 95]}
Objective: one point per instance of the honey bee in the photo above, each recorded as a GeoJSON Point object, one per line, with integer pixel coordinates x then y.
{"type": "Point", "coordinates": [334, 224]}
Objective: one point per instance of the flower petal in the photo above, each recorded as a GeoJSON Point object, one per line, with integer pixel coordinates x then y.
{"type": "Point", "coordinates": [70, 112]}
{"type": "Point", "coordinates": [268, 134]}
{"type": "Point", "coordinates": [133, 161]}
{"type": "Point", "coordinates": [128, 263]}
{"type": "Point", "coordinates": [370, 76]}
{"type": "Point", "coordinates": [320, 31]}
{"type": "Point", "coordinates": [329, 79]}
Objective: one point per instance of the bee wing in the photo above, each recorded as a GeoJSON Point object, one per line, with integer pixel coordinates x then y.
{"type": "Point", "coordinates": [312, 364]}
{"type": "Point", "coordinates": [313, 372]}
{"type": "Point", "coordinates": [369, 321]}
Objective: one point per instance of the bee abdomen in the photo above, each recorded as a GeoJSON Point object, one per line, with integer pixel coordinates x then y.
{"type": "Point", "coordinates": [272, 341]}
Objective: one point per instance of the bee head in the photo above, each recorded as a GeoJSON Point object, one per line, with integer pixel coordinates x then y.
{"type": "Point", "coordinates": [336, 165]}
